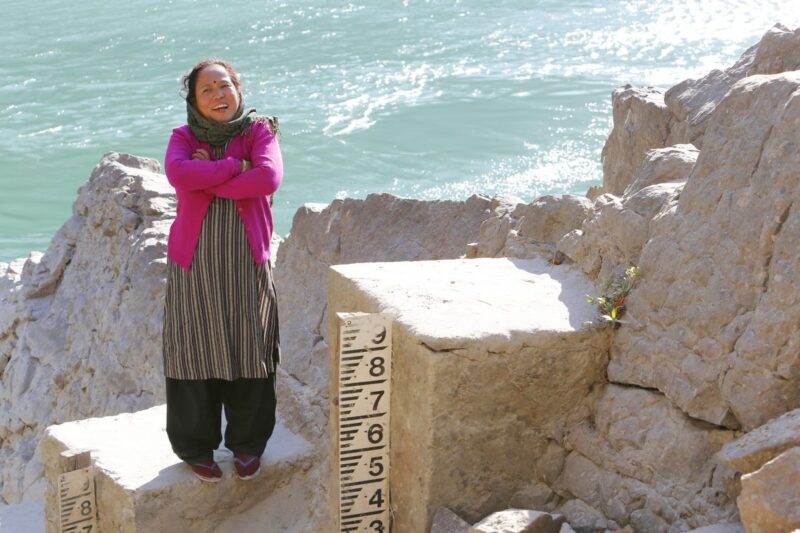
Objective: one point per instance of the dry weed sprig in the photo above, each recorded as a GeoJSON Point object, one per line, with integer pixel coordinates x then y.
{"type": "Point", "coordinates": [611, 301]}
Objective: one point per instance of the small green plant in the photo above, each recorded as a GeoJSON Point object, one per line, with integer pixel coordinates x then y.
{"type": "Point", "coordinates": [612, 300]}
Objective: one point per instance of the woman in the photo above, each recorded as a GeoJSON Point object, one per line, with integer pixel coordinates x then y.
{"type": "Point", "coordinates": [221, 340]}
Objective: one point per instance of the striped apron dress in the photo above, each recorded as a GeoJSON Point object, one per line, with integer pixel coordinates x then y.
{"type": "Point", "coordinates": [221, 317]}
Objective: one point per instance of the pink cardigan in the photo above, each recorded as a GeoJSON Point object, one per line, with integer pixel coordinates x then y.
{"type": "Point", "coordinates": [197, 182]}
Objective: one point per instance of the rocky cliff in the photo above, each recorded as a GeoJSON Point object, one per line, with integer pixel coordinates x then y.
{"type": "Point", "coordinates": [700, 186]}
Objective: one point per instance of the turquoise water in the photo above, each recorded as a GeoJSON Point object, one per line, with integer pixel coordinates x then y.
{"type": "Point", "coordinates": [421, 99]}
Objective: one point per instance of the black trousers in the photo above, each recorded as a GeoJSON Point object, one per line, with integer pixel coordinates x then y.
{"type": "Point", "coordinates": [194, 415]}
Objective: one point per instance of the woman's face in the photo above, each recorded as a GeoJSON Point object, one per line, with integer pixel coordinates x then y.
{"type": "Point", "coordinates": [215, 95]}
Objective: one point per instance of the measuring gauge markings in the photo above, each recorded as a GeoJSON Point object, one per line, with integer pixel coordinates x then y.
{"type": "Point", "coordinates": [76, 501]}
{"type": "Point", "coordinates": [364, 359]}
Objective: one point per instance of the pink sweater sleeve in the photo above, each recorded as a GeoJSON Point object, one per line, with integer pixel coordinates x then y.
{"type": "Point", "coordinates": [186, 173]}
{"type": "Point", "coordinates": [266, 173]}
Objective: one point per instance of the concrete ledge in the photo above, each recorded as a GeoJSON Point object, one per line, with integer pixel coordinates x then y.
{"type": "Point", "coordinates": [493, 358]}
{"type": "Point", "coordinates": [500, 303]}
{"type": "Point", "coordinates": [143, 486]}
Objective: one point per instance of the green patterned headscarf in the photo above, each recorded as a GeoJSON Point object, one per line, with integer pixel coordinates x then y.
{"type": "Point", "coordinates": [218, 133]}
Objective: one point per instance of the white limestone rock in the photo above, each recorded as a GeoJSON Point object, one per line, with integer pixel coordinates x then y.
{"type": "Point", "coordinates": [446, 521]}
{"type": "Point", "coordinates": [641, 122]}
{"type": "Point", "coordinates": [663, 165]}
{"type": "Point", "coordinates": [549, 217]}
{"type": "Point", "coordinates": [519, 521]}
{"type": "Point", "coordinates": [770, 495]}
{"type": "Point", "coordinates": [645, 118]}
{"type": "Point", "coordinates": [12, 311]}
{"type": "Point", "coordinates": [715, 315]}
{"type": "Point", "coordinates": [668, 340]}
{"type": "Point", "coordinates": [583, 518]}
{"type": "Point", "coordinates": [692, 101]}
{"type": "Point", "coordinates": [551, 462]}
{"type": "Point", "coordinates": [778, 51]}
{"type": "Point", "coordinates": [541, 223]}
{"type": "Point", "coordinates": [641, 460]}
{"type": "Point", "coordinates": [750, 451]}
{"type": "Point", "coordinates": [722, 527]}
{"type": "Point", "coordinates": [612, 237]}
{"type": "Point", "coordinates": [594, 191]}
{"type": "Point", "coordinates": [613, 234]}
{"type": "Point", "coordinates": [531, 230]}
{"type": "Point", "coordinates": [494, 230]}
{"type": "Point", "coordinates": [536, 495]}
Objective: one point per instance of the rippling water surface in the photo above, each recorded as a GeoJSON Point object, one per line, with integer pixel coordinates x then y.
{"type": "Point", "coordinates": [436, 99]}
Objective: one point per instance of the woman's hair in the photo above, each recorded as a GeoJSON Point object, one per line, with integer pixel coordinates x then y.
{"type": "Point", "coordinates": [189, 82]}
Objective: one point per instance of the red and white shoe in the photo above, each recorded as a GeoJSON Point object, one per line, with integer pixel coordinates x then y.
{"type": "Point", "coordinates": [207, 470]}
{"type": "Point", "coordinates": [247, 466]}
